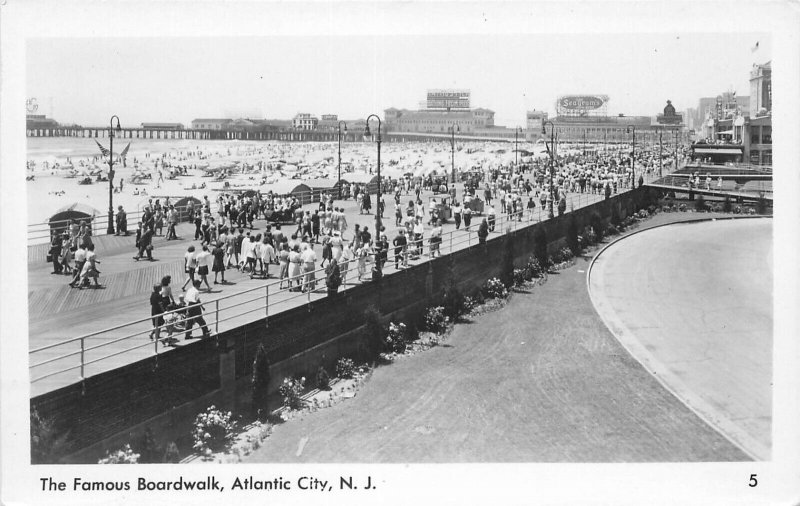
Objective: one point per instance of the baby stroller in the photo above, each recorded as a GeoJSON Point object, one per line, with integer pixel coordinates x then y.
{"type": "Point", "coordinates": [174, 321]}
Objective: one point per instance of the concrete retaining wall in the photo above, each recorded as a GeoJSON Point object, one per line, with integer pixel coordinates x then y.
{"type": "Point", "coordinates": [164, 393]}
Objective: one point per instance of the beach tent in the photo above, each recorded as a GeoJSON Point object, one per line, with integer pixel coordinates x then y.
{"type": "Point", "coordinates": [320, 187]}
{"type": "Point", "coordinates": [76, 211]}
{"type": "Point", "coordinates": [290, 187]}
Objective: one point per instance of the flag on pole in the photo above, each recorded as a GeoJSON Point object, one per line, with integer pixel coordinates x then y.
{"type": "Point", "coordinates": [102, 149]}
{"type": "Point", "coordinates": [123, 154]}
{"type": "Point", "coordinates": [754, 48]}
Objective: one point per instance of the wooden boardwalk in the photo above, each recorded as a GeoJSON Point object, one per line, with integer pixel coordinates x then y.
{"type": "Point", "coordinates": [58, 313]}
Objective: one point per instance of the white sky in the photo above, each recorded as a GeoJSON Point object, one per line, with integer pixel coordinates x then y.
{"type": "Point", "coordinates": [86, 80]}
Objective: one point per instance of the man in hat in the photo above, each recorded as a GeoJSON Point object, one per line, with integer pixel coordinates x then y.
{"type": "Point", "coordinates": [122, 222]}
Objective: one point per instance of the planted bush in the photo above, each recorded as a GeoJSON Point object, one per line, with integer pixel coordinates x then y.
{"type": "Point", "coordinates": [700, 204]}
{"type": "Point", "coordinates": [292, 390]}
{"type": "Point", "coordinates": [125, 455]}
{"type": "Point", "coordinates": [726, 205]}
{"type": "Point", "coordinates": [323, 380]}
{"type": "Point", "coordinates": [395, 340]}
{"type": "Point", "coordinates": [213, 430]}
{"type": "Point", "coordinates": [345, 367]}
{"type": "Point", "coordinates": [436, 320]}
{"type": "Point", "coordinates": [534, 268]}
{"type": "Point", "coordinates": [494, 289]}
{"type": "Point", "coordinates": [520, 276]}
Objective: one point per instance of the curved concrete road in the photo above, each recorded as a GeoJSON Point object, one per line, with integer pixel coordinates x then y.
{"type": "Point", "coordinates": [693, 303]}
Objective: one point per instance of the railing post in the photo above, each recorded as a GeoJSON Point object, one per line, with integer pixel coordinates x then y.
{"type": "Point", "coordinates": [216, 323]}
{"type": "Point", "coordinates": [266, 300]}
{"type": "Point", "coordinates": [83, 351]}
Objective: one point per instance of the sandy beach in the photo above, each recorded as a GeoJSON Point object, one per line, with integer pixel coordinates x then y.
{"type": "Point", "coordinates": [248, 163]}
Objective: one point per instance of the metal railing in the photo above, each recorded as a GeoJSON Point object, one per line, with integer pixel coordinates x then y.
{"type": "Point", "coordinates": [236, 309]}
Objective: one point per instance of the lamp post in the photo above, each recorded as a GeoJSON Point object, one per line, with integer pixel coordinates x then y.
{"type": "Point", "coordinates": [516, 150]}
{"type": "Point", "coordinates": [453, 129]}
{"type": "Point", "coordinates": [676, 150]}
{"type": "Point", "coordinates": [110, 229]}
{"type": "Point", "coordinates": [552, 151]}
{"type": "Point", "coordinates": [339, 128]}
{"type": "Point", "coordinates": [584, 142]}
{"type": "Point", "coordinates": [378, 199]}
{"type": "Point", "coordinates": [632, 129]}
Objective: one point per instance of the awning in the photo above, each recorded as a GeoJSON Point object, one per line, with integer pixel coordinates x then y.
{"type": "Point", "coordinates": [728, 151]}
{"type": "Point", "coordinates": [726, 132]}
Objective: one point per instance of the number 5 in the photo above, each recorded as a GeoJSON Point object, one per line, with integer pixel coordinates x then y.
{"type": "Point", "coordinates": [753, 481]}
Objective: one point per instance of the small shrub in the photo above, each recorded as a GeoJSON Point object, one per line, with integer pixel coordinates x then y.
{"type": "Point", "coordinates": [572, 235]}
{"type": "Point", "coordinates": [374, 332]}
{"type": "Point", "coordinates": [737, 210]}
{"type": "Point", "coordinates": [323, 380]}
{"type": "Point", "coordinates": [436, 320]}
{"type": "Point", "coordinates": [726, 205]}
{"type": "Point", "coordinates": [534, 268]}
{"type": "Point", "coordinates": [494, 289]}
{"type": "Point", "coordinates": [651, 209]}
{"type": "Point", "coordinates": [468, 304]}
{"type": "Point", "coordinates": [563, 255]}
{"type": "Point", "coordinates": [642, 214]}
{"type": "Point", "coordinates": [761, 206]}
{"type": "Point", "coordinates": [597, 226]}
{"type": "Point", "coordinates": [682, 208]}
{"type": "Point", "coordinates": [700, 204]}
{"type": "Point", "coordinates": [124, 455]}
{"type": "Point", "coordinates": [345, 368]}
{"type": "Point", "coordinates": [396, 338]}
{"type": "Point", "coordinates": [213, 430]}
{"type": "Point", "coordinates": [47, 441]}
{"type": "Point", "coordinates": [452, 300]}
{"type": "Point", "coordinates": [292, 391]}
{"type": "Point", "coordinates": [591, 236]}
{"type": "Point", "coordinates": [520, 276]}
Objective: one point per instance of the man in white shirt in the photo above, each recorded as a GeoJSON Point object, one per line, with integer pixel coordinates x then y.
{"type": "Point", "coordinates": [308, 257]}
{"type": "Point", "coordinates": [194, 310]}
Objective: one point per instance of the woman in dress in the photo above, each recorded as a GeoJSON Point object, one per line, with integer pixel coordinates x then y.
{"type": "Point", "coordinates": [362, 254]}
{"type": "Point", "coordinates": [219, 261]}
{"type": "Point", "coordinates": [295, 269]}
{"type": "Point", "coordinates": [283, 261]}
{"type": "Point", "coordinates": [156, 309]}
{"type": "Point", "coordinates": [189, 266]}
{"type": "Point", "coordinates": [327, 250]}
{"type": "Point", "coordinates": [348, 254]}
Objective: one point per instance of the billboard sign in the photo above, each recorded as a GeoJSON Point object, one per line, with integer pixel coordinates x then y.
{"type": "Point", "coordinates": [582, 102]}
{"type": "Point", "coordinates": [448, 99]}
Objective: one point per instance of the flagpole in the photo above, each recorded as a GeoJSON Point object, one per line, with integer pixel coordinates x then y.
{"type": "Point", "coordinates": [110, 229]}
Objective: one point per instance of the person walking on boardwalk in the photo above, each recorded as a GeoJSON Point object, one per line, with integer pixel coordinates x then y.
{"type": "Point", "coordinates": [348, 254]}
{"type": "Point", "coordinates": [483, 232]}
{"type": "Point", "coordinates": [267, 253]}
{"type": "Point", "coordinates": [309, 258]}
{"type": "Point", "coordinates": [283, 262]}
{"type": "Point", "coordinates": [295, 269]}
{"type": "Point", "coordinates": [122, 222]}
{"type": "Point", "coordinates": [89, 269]}
{"type": "Point", "coordinates": [145, 244]}
{"type": "Point", "coordinates": [172, 221]}
{"type": "Point", "coordinates": [467, 215]}
{"type": "Point", "coordinates": [333, 278]}
{"type": "Point", "coordinates": [203, 266]}
{"type": "Point", "coordinates": [400, 244]}
{"type": "Point", "coordinates": [189, 266]}
{"type": "Point", "coordinates": [194, 311]}
{"type": "Point", "coordinates": [80, 259]}
{"type": "Point", "coordinates": [156, 310]}
{"type": "Point", "coordinates": [219, 261]}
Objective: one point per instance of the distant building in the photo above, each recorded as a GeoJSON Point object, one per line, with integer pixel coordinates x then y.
{"type": "Point", "coordinates": [761, 90]}
{"type": "Point", "coordinates": [305, 121]}
{"type": "Point", "coordinates": [211, 123]}
{"type": "Point", "coordinates": [328, 122]}
{"type": "Point", "coordinates": [40, 121]}
{"type": "Point", "coordinates": [162, 126]}
{"type": "Point", "coordinates": [535, 119]}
